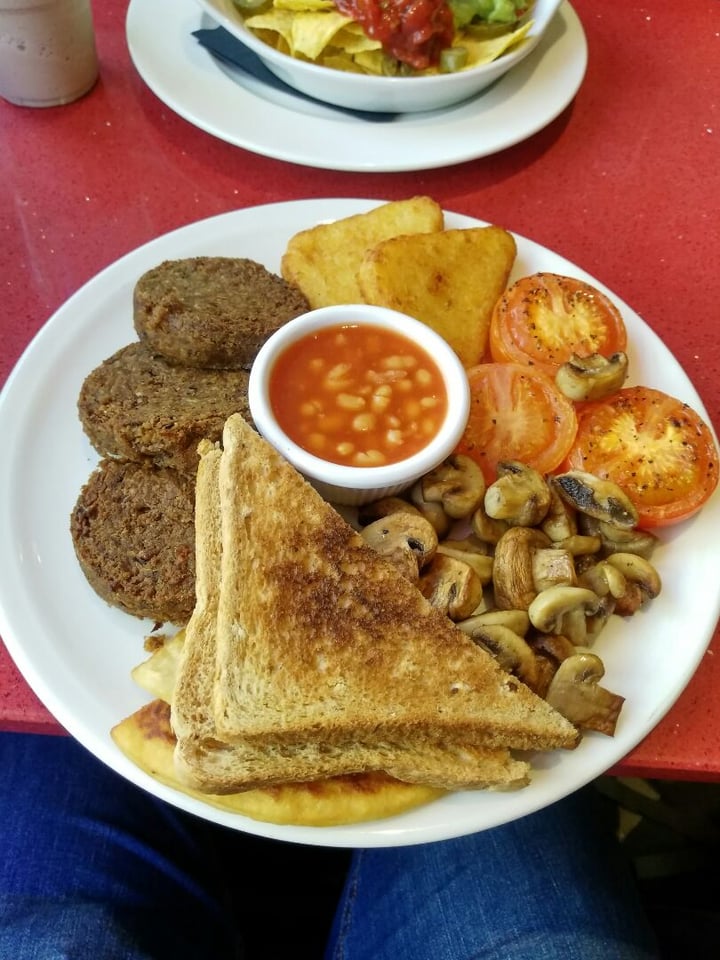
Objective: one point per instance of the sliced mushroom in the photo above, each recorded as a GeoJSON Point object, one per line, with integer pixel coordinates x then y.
{"type": "Point", "coordinates": [510, 650]}
{"type": "Point", "coordinates": [516, 620]}
{"type": "Point", "coordinates": [486, 528]}
{"type": "Point", "coordinates": [369, 512]}
{"type": "Point", "coordinates": [593, 377]}
{"type": "Point", "coordinates": [458, 483]}
{"type": "Point", "coordinates": [408, 541]}
{"type": "Point", "coordinates": [451, 586]}
{"type": "Point", "coordinates": [433, 512]}
{"type": "Point", "coordinates": [579, 545]}
{"type": "Point", "coordinates": [642, 581]}
{"type": "Point", "coordinates": [560, 522]}
{"type": "Point", "coordinates": [564, 609]}
{"type": "Point", "coordinates": [520, 495]}
{"type": "Point", "coordinates": [513, 580]}
{"type": "Point", "coordinates": [603, 579]}
{"type": "Point", "coordinates": [550, 650]}
{"type": "Point", "coordinates": [617, 540]}
{"type": "Point", "coordinates": [596, 497]}
{"type": "Point", "coordinates": [575, 692]}
{"type": "Point", "coordinates": [552, 566]}
{"type": "Point", "coordinates": [471, 552]}
{"type": "Point", "coordinates": [595, 623]}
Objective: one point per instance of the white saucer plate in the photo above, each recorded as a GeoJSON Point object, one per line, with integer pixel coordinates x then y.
{"type": "Point", "coordinates": [248, 113]}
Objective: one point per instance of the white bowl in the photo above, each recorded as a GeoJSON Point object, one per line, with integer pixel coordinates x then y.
{"type": "Point", "coordinates": [349, 485]}
{"type": "Point", "coordinates": [387, 94]}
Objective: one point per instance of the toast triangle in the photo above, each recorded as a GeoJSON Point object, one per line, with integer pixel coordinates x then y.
{"type": "Point", "coordinates": [204, 762]}
{"type": "Point", "coordinates": [319, 639]}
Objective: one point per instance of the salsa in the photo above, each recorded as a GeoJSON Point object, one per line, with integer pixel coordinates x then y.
{"type": "Point", "coordinates": [358, 395]}
{"type": "Point", "coordinates": [413, 31]}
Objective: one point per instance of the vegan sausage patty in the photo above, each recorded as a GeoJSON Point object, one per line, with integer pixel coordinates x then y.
{"type": "Point", "coordinates": [137, 406]}
{"type": "Point", "coordinates": [133, 529]}
{"type": "Point", "coordinates": [212, 312]}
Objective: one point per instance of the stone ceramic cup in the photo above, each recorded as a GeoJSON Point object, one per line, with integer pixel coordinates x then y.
{"type": "Point", "coordinates": [47, 51]}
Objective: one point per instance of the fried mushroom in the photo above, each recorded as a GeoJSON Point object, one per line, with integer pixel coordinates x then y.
{"type": "Point", "coordinates": [520, 495]}
{"type": "Point", "coordinates": [407, 540]}
{"type": "Point", "coordinates": [486, 528]}
{"type": "Point", "coordinates": [596, 497]}
{"type": "Point", "coordinates": [457, 483]}
{"type": "Point", "coordinates": [511, 651]}
{"type": "Point", "coordinates": [451, 586]}
{"type": "Point", "coordinates": [575, 692]}
{"type": "Point", "coordinates": [564, 609]}
{"type": "Point", "coordinates": [614, 539]}
{"type": "Point", "coordinates": [471, 552]}
{"type": "Point", "coordinates": [593, 377]}
{"type": "Point", "coordinates": [642, 582]}
{"type": "Point", "coordinates": [431, 510]}
{"type": "Point", "coordinates": [513, 578]}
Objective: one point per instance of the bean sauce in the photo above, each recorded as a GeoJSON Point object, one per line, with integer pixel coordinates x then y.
{"type": "Point", "coordinates": [358, 395]}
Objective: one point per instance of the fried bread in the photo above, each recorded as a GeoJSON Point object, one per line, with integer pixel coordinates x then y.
{"type": "Point", "coordinates": [147, 739]}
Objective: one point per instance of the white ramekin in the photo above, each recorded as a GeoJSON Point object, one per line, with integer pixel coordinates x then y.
{"type": "Point", "coordinates": [348, 485]}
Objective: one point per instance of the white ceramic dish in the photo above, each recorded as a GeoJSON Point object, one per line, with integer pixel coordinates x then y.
{"type": "Point", "coordinates": [247, 113]}
{"type": "Point", "coordinates": [361, 92]}
{"type": "Point", "coordinates": [350, 485]}
{"type": "Point", "coordinates": [77, 653]}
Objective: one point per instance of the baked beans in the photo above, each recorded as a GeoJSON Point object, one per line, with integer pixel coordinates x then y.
{"type": "Point", "coordinates": [358, 395]}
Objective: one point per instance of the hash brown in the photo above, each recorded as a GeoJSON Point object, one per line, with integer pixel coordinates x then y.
{"type": "Point", "coordinates": [450, 280]}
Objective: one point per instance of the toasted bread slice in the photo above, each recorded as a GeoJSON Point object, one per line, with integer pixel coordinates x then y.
{"type": "Point", "coordinates": [450, 280]}
{"type": "Point", "coordinates": [203, 762]}
{"type": "Point", "coordinates": [343, 243]}
{"type": "Point", "coordinates": [320, 640]}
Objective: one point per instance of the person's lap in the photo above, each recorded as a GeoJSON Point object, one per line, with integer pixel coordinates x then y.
{"type": "Point", "coordinates": [549, 886]}
{"type": "Point", "coordinates": [95, 867]}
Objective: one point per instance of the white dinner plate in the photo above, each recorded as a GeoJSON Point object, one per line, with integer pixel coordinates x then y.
{"type": "Point", "coordinates": [77, 653]}
{"type": "Point", "coordinates": [247, 113]}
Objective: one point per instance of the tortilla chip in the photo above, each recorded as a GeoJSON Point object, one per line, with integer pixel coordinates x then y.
{"type": "Point", "coordinates": [371, 61]}
{"type": "Point", "coordinates": [352, 39]}
{"type": "Point", "coordinates": [307, 34]}
{"type": "Point", "coordinates": [315, 30]}
{"type": "Point", "coordinates": [485, 51]}
{"type": "Point", "coordinates": [146, 738]}
{"type": "Point", "coordinates": [304, 5]}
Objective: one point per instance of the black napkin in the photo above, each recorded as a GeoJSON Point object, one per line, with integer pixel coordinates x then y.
{"type": "Point", "coordinates": [221, 43]}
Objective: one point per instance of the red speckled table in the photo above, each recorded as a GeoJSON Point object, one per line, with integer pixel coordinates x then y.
{"type": "Point", "coordinates": [625, 182]}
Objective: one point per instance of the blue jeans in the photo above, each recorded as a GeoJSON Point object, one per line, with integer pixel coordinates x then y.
{"type": "Point", "coordinates": [95, 869]}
